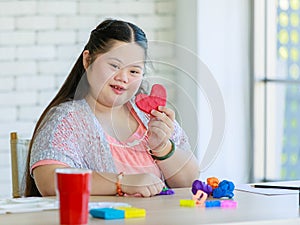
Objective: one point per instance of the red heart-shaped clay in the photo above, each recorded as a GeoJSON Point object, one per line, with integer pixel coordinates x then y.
{"type": "Point", "coordinates": [157, 97]}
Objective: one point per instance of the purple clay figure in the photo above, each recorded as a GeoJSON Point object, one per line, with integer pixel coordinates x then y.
{"type": "Point", "coordinates": [199, 185]}
{"type": "Point", "coordinates": [166, 191]}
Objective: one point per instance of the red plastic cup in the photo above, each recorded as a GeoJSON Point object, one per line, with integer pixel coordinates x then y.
{"type": "Point", "coordinates": [73, 189]}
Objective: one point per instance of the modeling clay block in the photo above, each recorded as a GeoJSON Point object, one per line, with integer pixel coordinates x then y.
{"type": "Point", "coordinates": [107, 213]}
{"type": "Point", "coordinates": [187, 203]}
{"type": "Point", "coordinates": [228, 204]}
{"type": "Point", "coordinates": [157, 97]}
{"type": "Point", "coordinates": [209, 204]}
{"type": "Point", "coordinates": [132, 212]}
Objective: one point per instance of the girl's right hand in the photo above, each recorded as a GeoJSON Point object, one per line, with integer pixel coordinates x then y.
{"type": "Point", "coordinates": [144, 184]}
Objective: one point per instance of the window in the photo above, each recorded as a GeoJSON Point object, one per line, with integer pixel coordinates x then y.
{"type": "Point", "coordinates": [276, 89]}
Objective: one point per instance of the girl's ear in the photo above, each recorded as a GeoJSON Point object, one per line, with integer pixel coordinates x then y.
{"type": "Point", "coordinates": [86, 59]}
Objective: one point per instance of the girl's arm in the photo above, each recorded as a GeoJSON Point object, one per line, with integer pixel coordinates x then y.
{"type": "Point", "coordinates": [181, 169]}
{"type": "Point", "coordinates": [102, 183]}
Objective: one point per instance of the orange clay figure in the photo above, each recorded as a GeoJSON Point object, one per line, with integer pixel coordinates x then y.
{"type": "Point", "coordinates": [200, 197]}
{"type": "Point", "coordinates": [213, 182]}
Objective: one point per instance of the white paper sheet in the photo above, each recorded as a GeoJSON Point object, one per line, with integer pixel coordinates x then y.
{"type": "Point", "coordinates": [36, 204]}
{"type": "Point", "coordinates": [264, 191]}
{"type": "Point", "coordinates": [29, 204]}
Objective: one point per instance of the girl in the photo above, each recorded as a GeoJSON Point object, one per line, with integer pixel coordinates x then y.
{"type": "Point", "coordinates": [94, 123]}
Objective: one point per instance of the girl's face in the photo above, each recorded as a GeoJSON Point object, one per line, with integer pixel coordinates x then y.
{"type": "Point", "coordinates": [115, 77]}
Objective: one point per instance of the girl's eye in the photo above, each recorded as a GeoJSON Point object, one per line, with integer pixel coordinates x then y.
{"type": "Point", "coordinates": [115, 66]}
{"type": "Point", "coordinates": [135, 72]}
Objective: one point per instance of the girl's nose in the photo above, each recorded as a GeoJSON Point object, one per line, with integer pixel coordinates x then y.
{"type": "Point", "coordinates": [122, 76]}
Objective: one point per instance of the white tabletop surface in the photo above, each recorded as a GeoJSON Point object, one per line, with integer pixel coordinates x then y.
{"type": "Point", "coordinates": [252, 209]}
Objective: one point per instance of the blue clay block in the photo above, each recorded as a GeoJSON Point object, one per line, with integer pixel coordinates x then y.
{"type": "Point", "coordinates": [107, 213]}
{"type": "Point", "coordinates": [213, 204]}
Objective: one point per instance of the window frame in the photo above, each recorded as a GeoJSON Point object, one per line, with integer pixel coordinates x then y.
{"type": "Point", "coordinates": [266, 163]}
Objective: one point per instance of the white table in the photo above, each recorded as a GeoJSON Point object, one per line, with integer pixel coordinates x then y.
{"type": "Point", "coordinates": [252, 209]}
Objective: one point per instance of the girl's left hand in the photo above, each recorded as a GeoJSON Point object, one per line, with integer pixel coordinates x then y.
{"type": "Point", "coordinates": [160, 127]}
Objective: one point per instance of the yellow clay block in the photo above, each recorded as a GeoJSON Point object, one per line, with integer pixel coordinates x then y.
{"type": "Point", "coordinates": [187, 203]}
{"type": "Point", "coordinates": [132, 212]}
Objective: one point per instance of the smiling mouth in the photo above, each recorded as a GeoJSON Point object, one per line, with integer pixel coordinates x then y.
{"type": "Point", "coordinates": [119, 88]}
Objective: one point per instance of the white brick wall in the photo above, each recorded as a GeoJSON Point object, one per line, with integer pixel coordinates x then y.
{"type": "Point", "coordinates": [39, 42]}
{"type": "Point", "coordinates": [35, 22]}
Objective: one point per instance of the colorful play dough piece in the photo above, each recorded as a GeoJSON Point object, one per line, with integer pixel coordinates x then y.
{"type": "Point", "coordinates": [157, 97]}
{"type": "Point", "coordinates": [199, 185]}
{"type": "Point", "coordinates": [213, 182]}
{"type": "Point", "coordinates": [200, 197]}
{"type": "Point", "coordinates": [107, 213]}
{"type": "Point", "coordinates": [211, 204]}
{"type": "Point", "coordinates": [228, 204]}
{"type": "Point", "coordinates": [225, 189]}
{"type": "Point", "coordinates": [187, 202]}
{"type": "Point", "coordinates": [167, 191]}
{"type": "Point", "coordinates": [132, 212]}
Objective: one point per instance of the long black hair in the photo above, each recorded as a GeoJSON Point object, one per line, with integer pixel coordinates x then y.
{"type": "Point", "coordinates": [101, 40]}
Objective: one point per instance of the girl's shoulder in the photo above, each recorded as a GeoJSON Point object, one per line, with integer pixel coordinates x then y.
{"type": "Point", "coordinates": [70, 107]}
{"type": "Point", "coordinates": [74, 111]}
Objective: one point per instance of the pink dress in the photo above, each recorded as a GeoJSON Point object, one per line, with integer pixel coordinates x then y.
{"type": "Point", "coordinates": [132, 156]}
